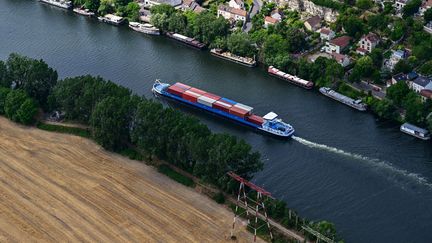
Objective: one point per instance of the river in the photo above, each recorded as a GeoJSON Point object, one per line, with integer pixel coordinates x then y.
{"type": "Point", "coordinates": [372, 181]}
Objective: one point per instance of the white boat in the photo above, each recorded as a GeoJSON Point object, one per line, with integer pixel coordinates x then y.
{"type": "Point", "coordinates": [85, 12]}
{"type": "Point", "coordinates": [415, 131]}
{"type": "Point", "coordinates": [356, 104]}
{"type": "Point", "coordinates": [111, 19]}
{"type": "Point", "coordinates": [144, 28]}
{"type": "Point", "coordinates": [58, 3]}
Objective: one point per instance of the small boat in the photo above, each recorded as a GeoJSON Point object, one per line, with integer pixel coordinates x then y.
{"type": "Point", "coordinates": [290, 78]}
{"type": "Point", "coordinates": [59, 3]}
{"type": "Point", "coordinates": [144, 28]}
{"type": "Point", "coordinates": [245, 61]}
{"type": "Point", "coordinates": [415, 131]}
{"type": "Point", "coordinates": [356, 104]}
{"type": "Point", "coordinates": [83, 11]}
{"type": "Point", "coordinates": [223, 107]}
{"type": "Point", "coordinates": [111, 19]}
{"type": "Point", "coordinates": [186, 40]}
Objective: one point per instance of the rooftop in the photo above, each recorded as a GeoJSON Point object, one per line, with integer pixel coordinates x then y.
{"type": "Point", "coordinates": [169, 2]}
{"type": "Point", "coordinates": [426, 93]}
{"type": "Point", "coordinates": [342, 41]}
{"type": "Point", "coordinates": [271, 20]}
{"type": "Point", "coordinates": [314, 21]}
{"type": "Point", "coordinates": [240, 12]}
{"type": "Point", "coordinates": [372, 37]}
{"type": "Point", "coordinates": [427, 3]}
{"type": "Point", "coordinates": [400, 77]}
{"type": "Point", "coordinates": [338, 57]}
{"type": "Point", "coordinates": [326, 31]}
{"type": "Point", "coordinates": [422, 81]}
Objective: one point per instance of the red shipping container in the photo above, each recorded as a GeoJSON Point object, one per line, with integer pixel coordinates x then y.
{"type": "Point", "coordinates": [198, 91]}
{"type": "Point", "coordinates": [238, 112]}
{"type": "Point", "coordinates": [190, 96]}
{"type": "Point", "coordinates": [223, 106]}
{"type": "Point", "coordinates": [255, 119]}
{"type": "Point", "coordinates": [175, 90]}
{"type": "Point", "coordinates": [212, 96]}
{"type": "Point", "coordinates": [182, 86]}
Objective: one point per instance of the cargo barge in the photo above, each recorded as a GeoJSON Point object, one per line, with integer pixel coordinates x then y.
{"type": "Point", "coordinates": [356, 104]}
{"type": "Point", "coordinates": [186, 40]}
{"type": "Point", "coordinates": [415, 131]}
{"type": "Point", "coordinates": [245, 61]}
{"type": "Point", "coordinates": [144, 28]}
{"type": "Point", "coordinates": [112, 19]}
{"type": "Point", "coordinates": [59, 3]}
{"type": "Point", "coordinates": [290, 78]}
{"type": "Point", "coordinates": [223, 107]}
{"type": "Point", "coordinates": [84, 11]}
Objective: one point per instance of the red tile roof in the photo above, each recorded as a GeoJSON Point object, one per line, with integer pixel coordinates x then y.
{"type": "Point", "coordinates": [270, 20]}
{"type": "Point", "coordinates": [426, 93]}
{"type": "Point", "coordinates": [373, 38]}
{"type": "Point", "coordinates": [240, 12]}
{"type": "Point", "coordinates": [325, 31]}
{"type": "Point", "coordinates": [342, 41]}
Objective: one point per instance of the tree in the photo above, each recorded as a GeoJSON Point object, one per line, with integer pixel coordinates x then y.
{"type": "Point", "coordinates": [106, 6]}
{"type": "Point", "coordinates": [364, 4]}
{"type": "Point", "coordinates": [240, 44]}
{"type": "Point", "coordinates": [399, 29]}
{"type": "Point", "coordinates": [426, 68]}
{"type": "Point", "coordinates": [402, 67]}
{"type": "Point", "coordinates": [397, 92]}
{"type": "Point", "coordinates": [3, 94]}
{"type": "Point", "coordinates": [377, 21]}
{"type": "Point", "coordinates": [177, 23]}
{"type": "Point", "coordinates": [92, 5]}
{"type": "Point", "coordinates": [4, 81]}
{"type": "Point", "coordinates": [428, 15]}
{"type": "Point", "coordinates": [414, 108]}
{"type": "Point", "coordinates": [132, 11]}
{"type": "Point", "coordinates": [162, 9]}
{"type": "Point", "coordinates": [364, 67]}
{"type": "Point", "coordinates": [411, 8]}
{"type": "Point", "coordinates": [377, 57]}
{"type": "Point", "coordinates": [296, 40]}
{"type": "Point", "coordinates": [353, 26]}
{"type": "Point", "coordinates": [14, 100]}
{"type": "Point", "coordinates": [207, 27]}
{"type": "Point", "coordinates": [160, 20]}
{"type": "Point", "coordinates": [384, 109]}
{"type": "Point", "coordinates": [27, 112]}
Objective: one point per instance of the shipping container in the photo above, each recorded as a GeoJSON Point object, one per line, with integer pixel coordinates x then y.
{"type": "Point", "coordinates": [255, 119]}
{"type": "Point", "coordinates": [198, 91]}
{"type": "Point", "coordinates": [206, 101]}
{"type": "Point", "coordinates": [175, 90]}
{"type": "Point", "coordinates": [237, 111]}
{"type": "Point", "coordinates": [182, 86]}
{"type": "Point", "coordinates": [190, 96]}
{"type": "Point", "coordinates": [244, 107]}
{"type": "Point", "coordinates": [232, 102]}
{"type": "Point", "coordinates": [223, 106]}
{"type": "Point", "coordinates": [212, 96]}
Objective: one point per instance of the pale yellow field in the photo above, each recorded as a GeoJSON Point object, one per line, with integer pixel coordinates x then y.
{"type": "Point", "coordinates": [57, 187]}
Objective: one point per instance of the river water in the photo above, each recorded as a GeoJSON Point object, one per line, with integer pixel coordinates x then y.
{"type": "Point", "coordinates": [372, 181]}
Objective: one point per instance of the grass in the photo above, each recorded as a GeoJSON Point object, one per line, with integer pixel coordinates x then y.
{"type": "Point", "coordinates": [131, 154]}
{"type": "Point", "coordinates": [166, 170]}
{"type": "Point", "coordinates": [64, 129]}
{"type": "Point", "coordinates": [349, 91]}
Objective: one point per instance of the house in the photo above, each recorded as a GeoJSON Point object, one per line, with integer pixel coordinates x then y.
{"type": "Point", "coordinates": [342, 59]}
{"type": "Point", "coordinates": [232, 13]}
{"type": "Point", "coordinates": [426, 94]}
{"type": "Point", "coordinates": [428, 27]}
{"type": "Point", "coordinates": [369, 41]}
{"type": "Point", "coordinates": [399, 5]}
{"type": "Point", "coordinates": [270, 21]}
{"type": "Point", "coordinates": [313, 24]}
{"type": "Point", "coordinates": [277, 14]}
{"type": "Point", "coordinates": [327, 34]}
{"type": "Point", "coordinates": [425, 6]}
{"type": "Point", "coordinates": [400, 77]}
{"type": "Point", "coordinates": [338, 44]}
{"type": "Point", "coordinates": [192, 6]}
{"type": "Point", "coordinates": [237, 4]}
{"type": "Point", "coordinates": [174, 3]}
{"type": "Point", "coordinates": [395, 58]}
{"type": "Point", "coordinates": [361, 51]}
{"type": "Point", "coordinates": [420, 83]}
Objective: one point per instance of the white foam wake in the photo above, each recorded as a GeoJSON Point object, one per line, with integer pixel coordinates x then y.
{"type": "Point", "coordinates": [394, 173]}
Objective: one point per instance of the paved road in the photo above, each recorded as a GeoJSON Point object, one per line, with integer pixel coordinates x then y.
{"type": "Point", "coordinates": [368, 87]}
{"type": "Point", "coordinates": [257, 5]}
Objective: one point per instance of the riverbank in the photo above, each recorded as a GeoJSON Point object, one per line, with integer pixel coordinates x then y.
{"type": "Point", "coordinates": [63, 187]}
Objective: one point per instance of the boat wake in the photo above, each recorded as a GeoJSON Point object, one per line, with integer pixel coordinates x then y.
{"type": "Point", "coordinates": [395, 174]}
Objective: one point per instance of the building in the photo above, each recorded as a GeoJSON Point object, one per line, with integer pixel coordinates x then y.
{"type": "Point", "coordinates": [342, 59]}
{"type": "Point", "coordinates": [395, 58]}
{"type": "Point", "coordinates": [428, 27]}
{"type": "Point", "coordinates": [425, 6]}
{"type": "Point", "coordinates": [327, 34]}
{"type": "Point", "coordinates": [313, 24]}
{"type": "Point", "coordinates": [361, 51]}
{"type": "Point", "coordinates": [174, 3]}
{"type": "Point", "coordinates": [369, 41]}
{"type": "Point", "coordinates": [237, 4]}
{"type": "Point", "coordinates": [400, 77]}
{"type": "Point", "coordinates": [338, 45]}
{"type": "Point", "coordinates": [232, 13]}
{"type": "Point", "coordinates": [400, 4]}
{"type": "Point", "coordinates": [192, 6]}
{"type": "Point", "coordinates": [277, 14]}
{"type": "Point", "coordinates": [426, 94]}
{"type": "Point", "coordinates": [270, 21]}
{"type": "Point", "coordinates": [420, 83]}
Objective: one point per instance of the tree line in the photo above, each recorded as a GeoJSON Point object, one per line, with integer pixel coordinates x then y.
{"type": "Point", "coordinates": [119, 119]}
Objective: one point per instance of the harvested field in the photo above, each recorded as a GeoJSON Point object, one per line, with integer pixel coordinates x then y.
{"type": "Point", "coordinates": [56, 187]}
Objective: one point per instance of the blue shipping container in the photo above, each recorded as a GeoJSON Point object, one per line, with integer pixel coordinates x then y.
{"type": "Point", "coordinates": [228, 101]}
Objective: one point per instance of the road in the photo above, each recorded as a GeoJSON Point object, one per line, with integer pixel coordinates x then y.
{"type": "Point", "coordinates": [363, 86]}
{"type": "Point", "coordinates": [257, 5]}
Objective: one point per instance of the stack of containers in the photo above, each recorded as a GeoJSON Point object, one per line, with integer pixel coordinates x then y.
{"type": "Point", "coordinates": [178, 89]}
{"type": "Point", "coordinates": [241, 110]}
{"type": "Point", "coordinates": [208, 99]}
{"type": "Point", "coordinates": [191, 96]}
{"type": "Point", "coordinates": [222, 105]}
{"type": "Point", "coordinates": [255, 119]}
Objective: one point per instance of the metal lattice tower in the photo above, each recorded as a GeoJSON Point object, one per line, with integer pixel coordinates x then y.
{"type": "Point", "coordinates": [252, 207]}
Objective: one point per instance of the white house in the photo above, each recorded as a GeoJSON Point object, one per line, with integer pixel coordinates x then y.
{"type": "Point", "coordinates": [342, 59]}
{"type": "Point", "coordinates": [237, 4]}
{"type": "Point", "coordinates": [420, 83]}
{"type": "Point", "coordinates": [395, 58]}
{"type": "Point", "coordinates": [232, 13]}
{"type": "Point", "coordinates": [338, 44]}
{"type": "Point", "coordinates": [327, 34]}
{"type": "Point", "coordinates": [369, 41]}
{"type": "Point", "coordinates": [400, 4]}
{"type": "Point", "coordinates": [425, 6]}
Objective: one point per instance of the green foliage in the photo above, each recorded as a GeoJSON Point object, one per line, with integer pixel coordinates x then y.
{"type": "Point", "coordinates": [383, 108]}
{"type": "Point", "coordinates": [426, 68]}
{"type": "Point", "coordinates": [132, 11]}
{"type": "Point", "coordinates": [329, 4]}
{"type": "Point", "coordinates": [64, 129]}
{"type": "Point", "coordinates": [219, 198]}
{"type": "Point", "coordinates": [4, 82]}
{"type": "Point", "coordinates": [414, 108]}
{"type": "Point", "coordinates": [106, 6]}
{"type": "Point", "coordinates": [364, 68]}
{"type": "Point", "coordinates": [166, 170]}
{"type": "Point", "coordinates": [92, 5]}
{"type": "Point", "coordinates": [399, 29]}
{"type": "Point", "coordinates": [177, 23]}
{"type": "Point", "coordinates": [411, 8]}
{"type": "Point", "coordinates": [353, 26]}
{"type": "Point", "coordinates": [33, 76]}
{"type": "Point", "coordinates": [240, 44]}
{"type": "Point", "coordinates": [166, 9]}
{"type": "Point", "coordinates": [3, 94]}
{"type": "Point", "coordinates": [207, 27]}
{"type": "Point", "coordinates": [378, 22]}
{"type": "Point", "coordinates": [19, 107]}
{"type": "Point", "coordinates": [132, 154]}
{"type": "Point", "coordinates": [402, 67]}
{"type": "Point", "coordinates": [428, 15]}
{"type": "Point", "coordinates": [364, 4]}
{"type": "Point", "coordinates": [397, 92]}
{"type": "Point", "coordinates": [160, 20]}
{"type": "Point", "coordinates": [349, 91]}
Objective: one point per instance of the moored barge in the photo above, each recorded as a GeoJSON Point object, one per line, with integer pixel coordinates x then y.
{"type": "Point", "coordinates": [356, 104]}
{"type": "Point", "coordinates": [245, 61]}
{"type": "Point", "coordinates": [84, 11]}
{"type": "Point", "coordinates": [186, 40]}
{"type": "Point", "coordinates": [290, 78]}
{"type": "Point", "coordinates": [415, 131]}
{"type": "Point", "coordinates": [111, 19]}
{"type": "Point", "coordinates": [223, 107]}
{"type": "Point", "coordinates": [58, 3]}
{"type": "Point", "coordinates": [144, 28]}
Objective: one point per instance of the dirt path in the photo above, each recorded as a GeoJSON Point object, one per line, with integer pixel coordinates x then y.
{"type": "Point", "coordinates": [56, 187]}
